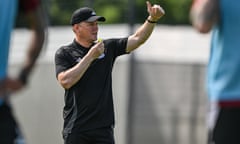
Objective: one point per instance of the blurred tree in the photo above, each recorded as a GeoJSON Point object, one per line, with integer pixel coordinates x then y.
{"type": "Point", "coordinates": [116, 11]}
{"type": "Point", "coordinates": [113, 10]}
{"type": "Point", "coordinates": [61, 10]}
{"type": "Point", "coordinates": [177, 12]}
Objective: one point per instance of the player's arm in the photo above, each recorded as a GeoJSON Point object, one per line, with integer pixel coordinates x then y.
{"type": "Point", "coordinates": [204, 14]}
{"type": "Point", "coordinates": [71, 76]}
{"type": "Point", "coordinates": [143, 33]}
{"type": "Point", "coordinates": [37, 23]}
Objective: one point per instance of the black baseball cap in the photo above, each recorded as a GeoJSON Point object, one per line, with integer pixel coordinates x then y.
{"type": "Point", "coordinates": [85, 14]}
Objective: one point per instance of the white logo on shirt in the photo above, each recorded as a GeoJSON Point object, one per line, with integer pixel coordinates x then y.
{"type": "Point", "coordinates": [101, 56]}
{"type": "Point", "coordinates": [78, 60]}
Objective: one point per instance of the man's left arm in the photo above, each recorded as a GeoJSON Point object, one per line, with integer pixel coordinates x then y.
{"type": "Point", "coordinates": [143, 33]}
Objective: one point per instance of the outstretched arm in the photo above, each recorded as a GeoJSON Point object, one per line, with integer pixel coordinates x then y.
{"type": "Point", "coordinates": [143, 33]}
{"type": "Point", "coordinates": [204, 14]}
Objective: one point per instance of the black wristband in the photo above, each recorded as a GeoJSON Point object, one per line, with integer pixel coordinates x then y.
{"type": "Point", "coordinates": [151, 21]}
{"type": "Point", "coordinates": [23, 77]}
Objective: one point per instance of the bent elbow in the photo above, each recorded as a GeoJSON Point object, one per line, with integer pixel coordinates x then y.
{"type": "Point", "coordinates": [203, 28]}
{"type": "Point", "coordinates": [65, 85]}
{"type": "Point", "coordinates": [64, 82]}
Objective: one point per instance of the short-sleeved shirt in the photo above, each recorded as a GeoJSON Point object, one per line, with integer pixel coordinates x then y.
{"type": "Point", "coordinates": [8, 10]}
{"type": "Point", "coordinates": [28, 5]}
{"type": "Point", "coordinates": [7, 19]}
{"type": "Point", "coordinates": [89, 103]}
{"type": "Point", "coordinates": [224, 64]}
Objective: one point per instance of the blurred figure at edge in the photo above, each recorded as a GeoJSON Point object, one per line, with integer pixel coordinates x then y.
{"type": "Point", "coordinates": [222, 18]}
{"type": "Point", "coordinates": [32, 10]}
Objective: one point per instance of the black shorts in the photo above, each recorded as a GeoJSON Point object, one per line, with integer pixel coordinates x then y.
{"type": "Point", "coordinates": [226, 128]}
{"type": "Point", "coordinates": [9, 131]}
{"type": "Point", "coordinates": [97, 136]}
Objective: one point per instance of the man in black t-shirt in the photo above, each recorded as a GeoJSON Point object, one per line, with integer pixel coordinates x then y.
{"type": "Point", "coordinates": [84, 69]}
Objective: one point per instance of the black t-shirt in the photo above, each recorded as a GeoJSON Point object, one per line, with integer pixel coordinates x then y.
{"type": "Point", "coordinates": [89, 103]}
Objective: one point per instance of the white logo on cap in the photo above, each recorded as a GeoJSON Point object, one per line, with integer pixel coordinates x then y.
{"type": "Point", "coordinates": [93, 13]}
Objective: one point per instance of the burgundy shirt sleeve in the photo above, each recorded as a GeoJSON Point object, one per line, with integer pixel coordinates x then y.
{"type": "Point", "coordinates": [28, 5]}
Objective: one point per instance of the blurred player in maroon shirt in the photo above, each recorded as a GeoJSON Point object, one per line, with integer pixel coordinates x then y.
{"type": "Point", "coordinates": [33, 15]}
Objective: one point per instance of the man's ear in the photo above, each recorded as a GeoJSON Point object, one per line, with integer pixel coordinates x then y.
{"type": "Point", "coordinates": [75, 28]}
